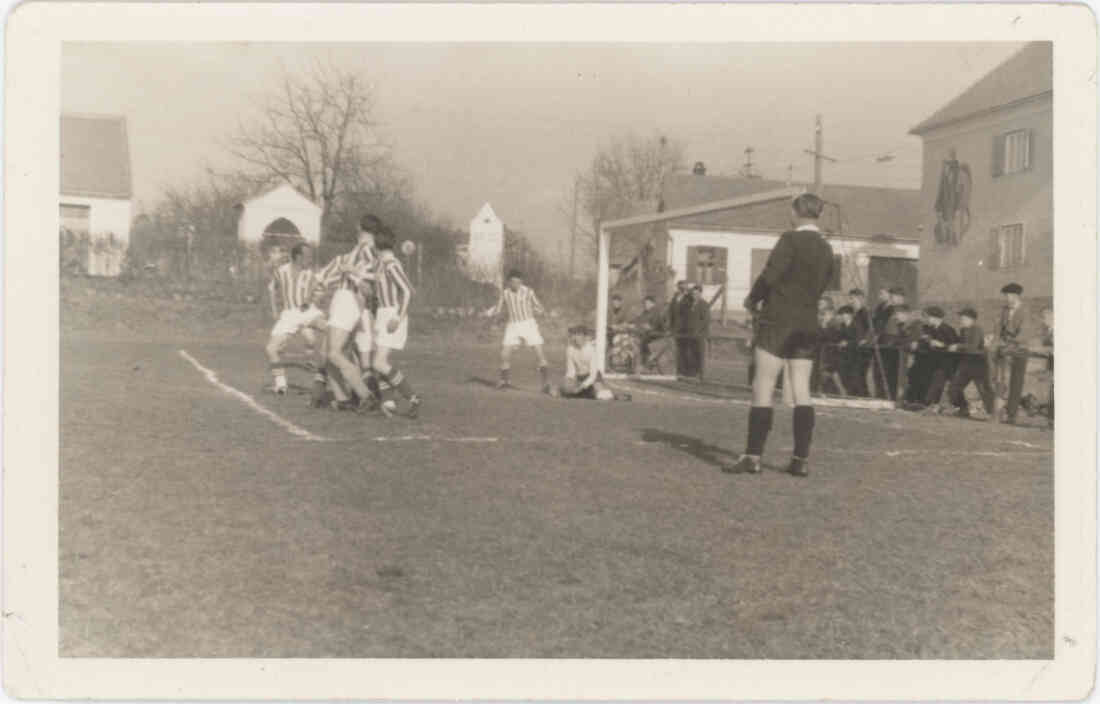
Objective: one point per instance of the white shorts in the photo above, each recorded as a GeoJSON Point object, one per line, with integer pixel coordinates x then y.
{"type": "Point", "coordinates": [292, 321]}
{"type": "Point", "coordinates": [344, 312]}
{"type": "Point", "coordinates": [391, 340]}
{"type": "Point", "coordinates": [525, 332]}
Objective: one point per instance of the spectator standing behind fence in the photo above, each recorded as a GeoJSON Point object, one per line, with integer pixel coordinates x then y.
{"type": "Point", "coordinates": [1046, 346]}
{"type": "Point", "coordinates": [859, 359]}
{"type": "Point", "coordinates": [701, 314]}
{"type": "Point", "coordinates": [1011, 347]}
{"type": "Point", "coordinates": [685, 333]}
{"type": "Point", "coordinates": [932, 365]}
{"type": "Point", "coordinates": [972, 366]}
{"type": "Point", "coordinates": [674, 323]}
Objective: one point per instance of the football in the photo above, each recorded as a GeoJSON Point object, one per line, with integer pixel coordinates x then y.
{"type": "Point", "coordinates": [408, 247]}
{"type": "Point", "coordinates": [390, 405]}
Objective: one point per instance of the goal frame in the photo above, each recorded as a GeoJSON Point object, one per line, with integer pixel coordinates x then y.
{"type": "Point", "coordinates": [603, 282]}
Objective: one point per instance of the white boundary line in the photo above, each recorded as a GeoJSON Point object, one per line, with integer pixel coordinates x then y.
{"type": "Point", "coordinates": [251, 402]}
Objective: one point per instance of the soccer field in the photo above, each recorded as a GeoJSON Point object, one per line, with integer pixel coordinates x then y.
{"type": "Point", "coordinates": [196, 521]}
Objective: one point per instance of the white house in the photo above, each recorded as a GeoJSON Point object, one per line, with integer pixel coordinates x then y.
{"type": "Point", "coordinates": [96, 198]}
{"type": "Point", "coordinates": [874, 232]}
{"type": "Point", "coordinates": [484, 255]}
{"type": "Point", "coordinates": [279, 213]}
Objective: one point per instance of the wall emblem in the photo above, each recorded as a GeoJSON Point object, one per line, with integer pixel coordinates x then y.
{"type": "Point", "coordinates": [953, 201]}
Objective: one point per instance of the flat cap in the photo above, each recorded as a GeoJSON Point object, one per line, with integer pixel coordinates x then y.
{"type": "Point", "coordinates": [1013, 288]}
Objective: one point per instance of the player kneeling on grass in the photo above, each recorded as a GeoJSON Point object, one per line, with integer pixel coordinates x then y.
{"type": "Point", "coordinates": [522, 304]}
{"type": "Point", "coordinates": [581, 378]}
{"type": "Point", "coordinates": [391, 321]}
{"type": "Point", "coordinates": [293, 290]}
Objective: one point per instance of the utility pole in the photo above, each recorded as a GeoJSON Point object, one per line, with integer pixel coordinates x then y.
{"type": "Point", "coordinates": [790, 175]}
{"type": "Point", "coordinates": [747, 170]}
{"type": "Point", "coordinates": [573, 231]}
{"type": "Point", "coordinates": [818, 154]}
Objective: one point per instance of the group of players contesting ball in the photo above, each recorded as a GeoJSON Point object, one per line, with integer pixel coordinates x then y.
{"type": "Point", "coordinates": [367, 320]}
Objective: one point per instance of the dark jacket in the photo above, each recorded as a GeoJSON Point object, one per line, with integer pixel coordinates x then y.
{"type": "Point", "coordinates": [701, 311]}
{"type": "Point", "coordinates": [880, 318]}
{"type": "Point", "coordinates": [685, 316]}
{"type": "Point", "coordinates": [652, 323]}
{"type": "Point", "coordinates": [971, 339]}
{"type": "Point", "coordinates": [674, 312]}
{"type": "Point", "coordinates": [861, 324]}
{"type": "Point", "coordinates": [797, 272]}
{"type": "Point", "coordinates": [943, 333]}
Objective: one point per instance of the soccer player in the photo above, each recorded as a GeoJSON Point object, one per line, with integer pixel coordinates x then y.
{"type": "Point", "coordinates": [352, 274]}
{"type": "Point", "coordinates": [522, 305]}
{"type": "Point", "coordinates": [797, 272]}
{"type": "Point", "coordinates": [581, 379]}
{"type": "Point", "coordinates": [292, 289]}
{"type": "Point", "coordinates": [391, 322]}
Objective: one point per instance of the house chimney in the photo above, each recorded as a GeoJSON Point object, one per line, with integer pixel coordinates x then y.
{"type": "Point", "coordinates": [699, 169]}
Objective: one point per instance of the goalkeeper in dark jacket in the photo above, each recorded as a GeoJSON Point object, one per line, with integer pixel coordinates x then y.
{"type": "Point", "coordinates": [797, 272]}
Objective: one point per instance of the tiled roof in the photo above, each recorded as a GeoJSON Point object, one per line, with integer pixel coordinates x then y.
{"type": "Point", "coordinates": [1028, 73]}
{"type": "Point", "coordinates": [95, 156]}
{"type": "Point", "coordinates": [858, 211]}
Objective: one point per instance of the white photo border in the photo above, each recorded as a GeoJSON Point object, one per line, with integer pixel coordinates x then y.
{"type": "Point", "coordinates": [32, 667]}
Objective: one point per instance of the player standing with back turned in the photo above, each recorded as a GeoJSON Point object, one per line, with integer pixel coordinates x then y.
{"type": "Point", "coordinates": [797, 273]}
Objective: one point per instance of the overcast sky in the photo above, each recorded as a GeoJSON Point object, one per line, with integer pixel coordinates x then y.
{"type": "Point", "coordinates": [511, 124]}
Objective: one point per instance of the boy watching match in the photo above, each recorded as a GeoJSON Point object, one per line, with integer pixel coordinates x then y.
{"type": "Point", "coordinates": [522, 304]}
{"type": "Point", "coordinates": [971, 367]}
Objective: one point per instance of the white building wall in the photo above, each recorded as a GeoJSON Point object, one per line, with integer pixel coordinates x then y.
{"type": "Point", "coordinates": [105, 216]}
{"type": "Point", "coordinates": [486, 250]}
{"type": "Point", "coordinates": [739, 246]}
{"type": "Point", "coordinates": [282, 202]}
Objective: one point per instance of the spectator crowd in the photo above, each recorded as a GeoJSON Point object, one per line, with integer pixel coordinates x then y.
{"type": "Point", "coordinates": [924, 359]}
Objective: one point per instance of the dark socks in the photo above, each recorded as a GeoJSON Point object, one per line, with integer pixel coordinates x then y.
{"type": "Point", "coordinates": [371, 381]}
{"type": "Point", "coordinates": [803, 430]}
{"type": "Point", "coordinates": [505, 375]}
{"type": "Point", "coordinates": [543, 374]}
{"type": "Point", "coordinates": [760, 422]}
{"type": "Point", "coordinates": [400, 383]}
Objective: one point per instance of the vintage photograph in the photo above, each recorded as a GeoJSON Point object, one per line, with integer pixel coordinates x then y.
{"type": "Point", "coordinates": [485, 350]}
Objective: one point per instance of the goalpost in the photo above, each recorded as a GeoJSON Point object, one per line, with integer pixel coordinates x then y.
{"type": "Point", "coordinates": [603, 291]}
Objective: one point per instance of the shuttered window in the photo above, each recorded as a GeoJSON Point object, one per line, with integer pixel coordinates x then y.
{"type": "Point", "coordinates": [1007, 247]}
{"type": "Point", "coordinates": [1012, 152]}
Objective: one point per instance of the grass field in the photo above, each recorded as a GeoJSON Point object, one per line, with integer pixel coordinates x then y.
{"type": "Point", "coordinates": [508, 524]}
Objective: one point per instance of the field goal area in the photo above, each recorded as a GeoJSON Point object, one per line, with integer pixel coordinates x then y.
{"type": "Point", "coordinates": [727, 354]}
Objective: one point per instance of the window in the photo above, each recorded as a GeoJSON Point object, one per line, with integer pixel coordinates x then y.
{"type": "Point", "coordinates": [1012, 152]}
{"type": "Point", "coordinates": [1008, 247]}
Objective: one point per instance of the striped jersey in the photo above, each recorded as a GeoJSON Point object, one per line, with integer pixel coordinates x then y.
{"type": "Point", "coordinates": [522, 304]}
{"type": "Point", "coordinates": [393, 287]}
{"type": "Point", "coordinates": [294, 286]}
{"type": "Point", "coordinates": [352, 269]}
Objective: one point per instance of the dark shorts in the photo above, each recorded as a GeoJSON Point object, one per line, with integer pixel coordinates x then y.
{"type": "Point", "coordinates": [786, 341]}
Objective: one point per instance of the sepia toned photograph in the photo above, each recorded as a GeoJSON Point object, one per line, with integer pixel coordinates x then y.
{"type": "Point", "coordinates": [410, 352]}
{"type": "Point", "coordinates": [476, 351]}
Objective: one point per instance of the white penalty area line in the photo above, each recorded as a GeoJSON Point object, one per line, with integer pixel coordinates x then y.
{"type": "Point", "coordinates": [251, 402]}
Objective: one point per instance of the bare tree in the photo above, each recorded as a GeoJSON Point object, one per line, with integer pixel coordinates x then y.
{"type": "Point", "coordinates": [317, 132]}
{"type": "Point", "coordinates": [624, 177]}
